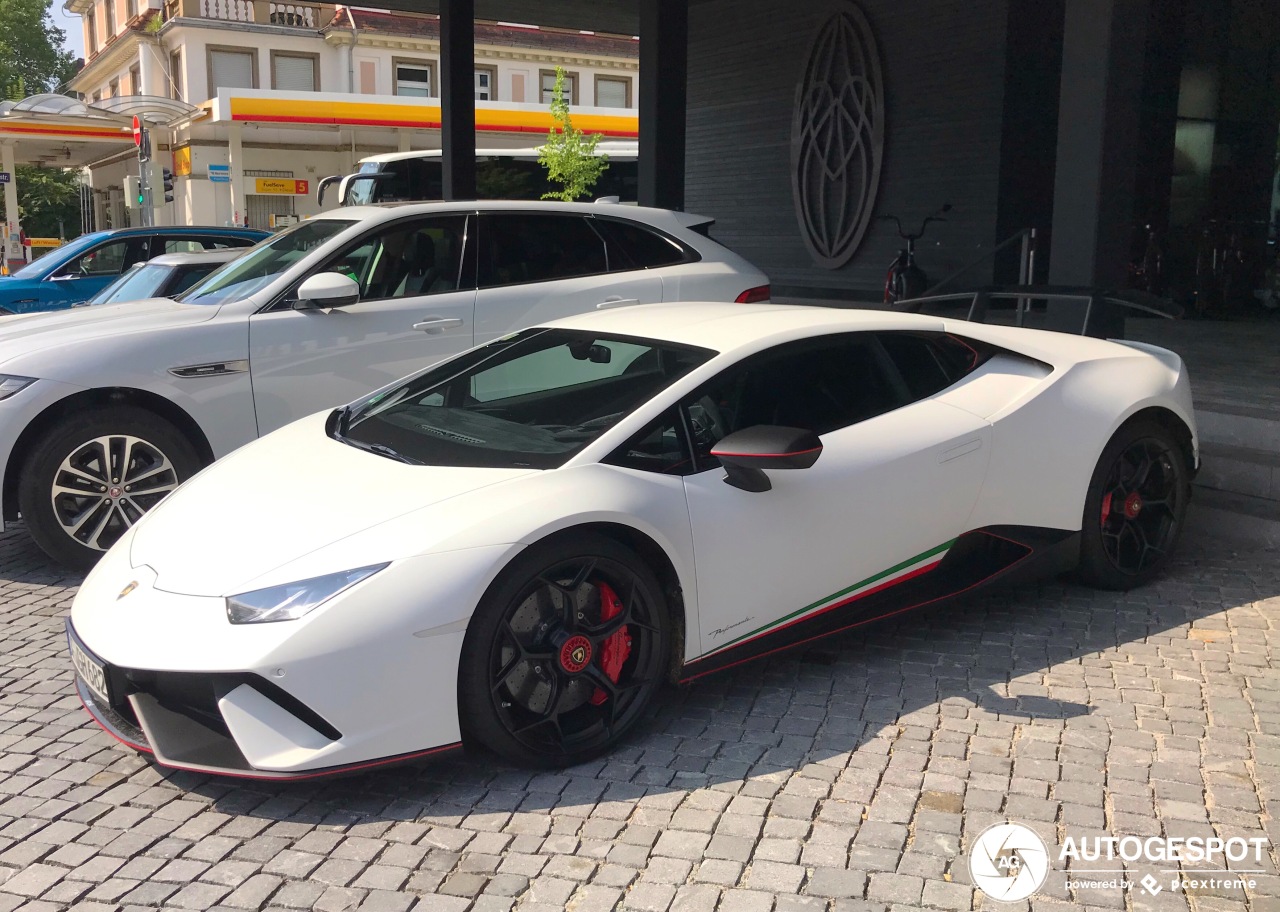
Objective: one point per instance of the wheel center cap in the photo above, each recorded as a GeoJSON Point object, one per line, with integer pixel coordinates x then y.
{"type": "Point", "coordinates": [575, 654]}
{"type": "Point", "coordinates": [114, 493]}
{"type": "Point", "coordinates": [1133, 505]}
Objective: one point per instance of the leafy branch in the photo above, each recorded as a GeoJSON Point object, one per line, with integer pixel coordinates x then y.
{"type": "Point", "coordinates": [569, 155]}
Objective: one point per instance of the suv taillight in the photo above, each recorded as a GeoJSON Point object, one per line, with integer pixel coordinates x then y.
{"type": "Point", "coordinates": [753, 295]}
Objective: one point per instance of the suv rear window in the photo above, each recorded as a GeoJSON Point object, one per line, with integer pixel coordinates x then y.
{"type": "Point", "coordinates": [634, 247]}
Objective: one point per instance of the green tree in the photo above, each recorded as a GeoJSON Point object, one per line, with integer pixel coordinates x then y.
{"type": "Point", "coordinates": [33, 54]}
{"type": "Point", "coordinates": [49, 201]}
{"type": "Point", "coordinates": [34, 59]}
{"type": "Point", "coordinates": [569, 155]}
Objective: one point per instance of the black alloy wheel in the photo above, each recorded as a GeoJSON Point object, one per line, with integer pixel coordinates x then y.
{"type": "Point", "coordinates": [1136, 507]}
{"type": "Point", "coordinates": [564, 653]}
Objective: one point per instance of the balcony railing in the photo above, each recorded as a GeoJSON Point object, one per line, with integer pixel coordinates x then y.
{"type": "Point", "coordinates": [259, 12]}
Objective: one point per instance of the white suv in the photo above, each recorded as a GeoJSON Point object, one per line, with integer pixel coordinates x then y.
{"type": "Point", "coordinates": [104, 410]}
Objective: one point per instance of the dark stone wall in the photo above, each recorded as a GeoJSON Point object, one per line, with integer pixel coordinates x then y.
{"type": "Point", "coordinates": [944, 64]}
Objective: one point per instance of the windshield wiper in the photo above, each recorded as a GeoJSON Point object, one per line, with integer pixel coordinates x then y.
{"type": "Point", "coordinates": [382, 450]}
{"type": "Point", "coordinates": [344, 420]}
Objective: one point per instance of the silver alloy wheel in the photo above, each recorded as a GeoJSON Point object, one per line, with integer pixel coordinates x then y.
{"type": "Point", "coordinates": [105, 485]}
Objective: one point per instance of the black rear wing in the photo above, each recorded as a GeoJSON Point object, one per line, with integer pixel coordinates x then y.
{"type": "Point", "coordinates": [1062, 308]}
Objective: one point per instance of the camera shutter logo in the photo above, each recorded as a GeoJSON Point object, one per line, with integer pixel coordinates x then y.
{"type": "Point", "coordinates": [837, 137]}
{"type": "Point", "coordinates": [1008, 862]}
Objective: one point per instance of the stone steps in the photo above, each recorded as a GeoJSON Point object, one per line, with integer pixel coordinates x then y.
{"type": "Point", "coordinates": [1237, 491]}
{"type": "Point", "coordinates": [1239, 449]}
{"type": "Point", "coordinates": [1236, 518]}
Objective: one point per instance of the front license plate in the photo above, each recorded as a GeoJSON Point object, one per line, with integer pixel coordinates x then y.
{"type": "Point", "coordinates": [90, 671]}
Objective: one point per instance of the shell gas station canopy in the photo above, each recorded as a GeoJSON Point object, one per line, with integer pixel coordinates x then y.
{"type": "Point", "coordinates": [56, 131]}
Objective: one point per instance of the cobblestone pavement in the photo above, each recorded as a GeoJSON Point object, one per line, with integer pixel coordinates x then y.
{"type": "Point", "coordinates": [846, 778]}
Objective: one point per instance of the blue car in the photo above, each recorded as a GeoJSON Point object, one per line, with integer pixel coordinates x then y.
{"type": "Point", "coordinates": [77, 271]}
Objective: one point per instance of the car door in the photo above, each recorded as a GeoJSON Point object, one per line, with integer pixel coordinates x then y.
{"type": "Point", "coordinates": [896, 481]}
{"type": "Point", "coordinates": [539, 266]}
{"type": "Point", "coordinates": [416, 307]}
{"type": "Point", "coordinates": [85, 275]}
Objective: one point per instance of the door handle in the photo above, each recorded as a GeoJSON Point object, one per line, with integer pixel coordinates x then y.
{"type": "Point", "coordinates": [616, 301]}
{"type": "Point", "coordinates": [434, 325]}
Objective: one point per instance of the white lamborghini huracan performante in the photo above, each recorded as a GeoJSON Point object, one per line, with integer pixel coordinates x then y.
{"type": "Point", "coordinates": [519, 546]}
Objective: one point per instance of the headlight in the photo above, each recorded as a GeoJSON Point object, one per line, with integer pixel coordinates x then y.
{"type": "Point", "coordinates": [292, 600]}
{"type": "Point", "coordinates": [10, 384]}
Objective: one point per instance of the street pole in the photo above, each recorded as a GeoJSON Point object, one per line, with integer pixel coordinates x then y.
{"type": "Point", "coordinates": [10, 247]}
{"type": "Point", "coordinates": [142, 136]}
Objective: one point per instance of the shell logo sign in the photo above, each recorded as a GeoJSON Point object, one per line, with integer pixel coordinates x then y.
{"type": "Point", "coordinates": [280, 186]}
{"type": "Point", "coordinates": [837, 137]}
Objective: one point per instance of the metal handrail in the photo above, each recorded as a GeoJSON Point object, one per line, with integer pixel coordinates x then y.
{"type": "Point", "coordinates": [980, 300]}
{"type": "Point", "coordinates": [1026, 264]}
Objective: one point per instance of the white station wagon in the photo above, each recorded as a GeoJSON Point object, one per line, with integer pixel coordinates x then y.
{"type": "Point", "coordinates": [104, 410]}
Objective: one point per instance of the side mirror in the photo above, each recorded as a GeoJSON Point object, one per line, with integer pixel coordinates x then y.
{"type": "Point", "coordinates": [746, 453]}
{"type": "Point", "coordinates": [327, 289]}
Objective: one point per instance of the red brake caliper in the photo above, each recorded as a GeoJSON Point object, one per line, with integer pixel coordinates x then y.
{"type": "Point", "coordinates": [1106, 508]}
{"type": "Point", "coordinates": [616, 649]}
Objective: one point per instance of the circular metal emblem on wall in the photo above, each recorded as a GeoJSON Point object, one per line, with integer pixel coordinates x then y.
{"type": "Point", "coordinates": [837, 137]}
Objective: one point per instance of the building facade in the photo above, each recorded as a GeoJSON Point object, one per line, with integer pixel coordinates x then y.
{"type": "Point", "coordinates": [288, 93]}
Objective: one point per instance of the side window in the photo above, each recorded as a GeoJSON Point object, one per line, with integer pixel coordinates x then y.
{"type": "Point", "coordinates": [929, 362]}
{"type": "Point", "coordinates": [519, 247]}
{"type": "Point", "coordinates": [406, 259]}
{"type": "Point", "coordinates": [209, 242]}
{"type": "Point", "coordinates": [634, 247]}
{"type": "Point", "coordinates": [817, 384]}
{"type": "Point", "coordinates": [188, 276]}
{"type": "Point", "coordinates": [184, 245]}
{"type": "Point", "coordinates": [661, 447]}
{"type": "Point", "coordinates": [107, 260]}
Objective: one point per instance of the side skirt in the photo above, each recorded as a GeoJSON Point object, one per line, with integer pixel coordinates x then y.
{"type": "Point", "coordinates": [976, 560]}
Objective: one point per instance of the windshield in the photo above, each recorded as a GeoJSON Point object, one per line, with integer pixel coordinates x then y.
{"type": "Point", "coordinates": [38, 269]}
{"type": "Point", "coordinates": [140, 281]}
{"type": "Point", "coordinates": [530, 400]}
{"type": "Point", "coordinates": [245, 275]}
{"type": "Point", "coordinates": [360, 192]}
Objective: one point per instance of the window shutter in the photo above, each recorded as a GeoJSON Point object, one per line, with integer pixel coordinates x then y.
{"type": "Point", "coordinates": [231, 69]}
{"type": "Point", "coordinates": [295, 74]}
{"type": "Point", "coordinates": [611, 93]}
{"type": "Point", "coordinates": [369, 77]}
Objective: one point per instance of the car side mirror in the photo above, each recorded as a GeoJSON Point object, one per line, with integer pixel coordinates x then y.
{"type": "Point", "coordinates": [746, 453]}
{"type": "Point", "coordinates": [327, 289]}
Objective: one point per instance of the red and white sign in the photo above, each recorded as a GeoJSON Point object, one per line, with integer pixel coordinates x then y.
{"type": "Point", "coordinates": [137, 131]}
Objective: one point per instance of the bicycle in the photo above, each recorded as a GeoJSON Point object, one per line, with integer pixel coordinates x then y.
{"type": "Point", "coordinates": [905, 279]}
{"type": "Point", "coordinates": [1146, 270]}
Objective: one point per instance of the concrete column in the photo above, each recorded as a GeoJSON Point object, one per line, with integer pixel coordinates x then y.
{"type": "Point", "coordinates": [404, 137]}
{"type": "Point", "coordinates": [13, 254]}
{"type": "Point", "coordinates": [146, 69]}
{"type": "Point", "coordinates": [1098, 140]}
{"type": "Point", "coordinates": [664, 68]}
{"type": "Point", "coordinates": [458, 98]}
{"type": "Point", "coordinates": [235, 158]}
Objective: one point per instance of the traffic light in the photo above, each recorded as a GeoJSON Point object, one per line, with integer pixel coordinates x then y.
{"type": "Point", "coordinates": [144, 146]}
{"type": "Point", "coordinates": [132, 192]}
{"type": "Point", "coordinates": [167, 180]}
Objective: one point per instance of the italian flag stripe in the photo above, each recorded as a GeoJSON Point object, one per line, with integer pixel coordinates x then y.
{"type": "Point", "coordinates": [908, 569]}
